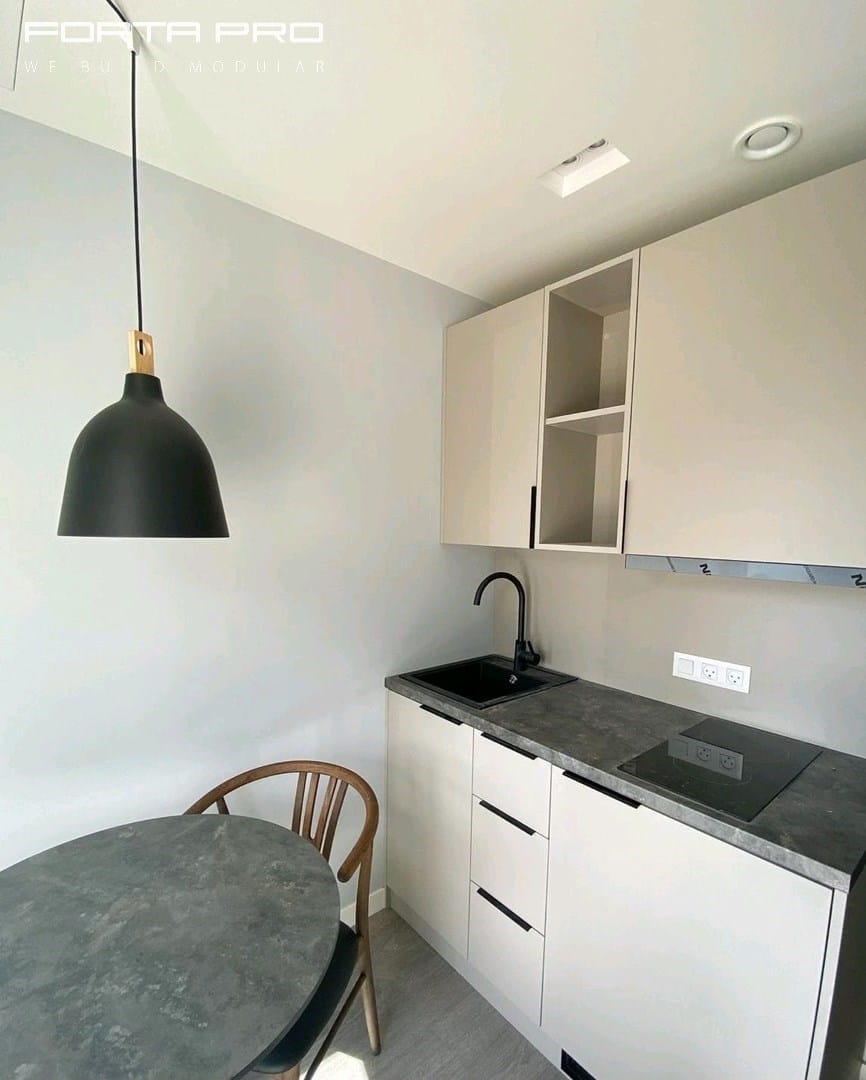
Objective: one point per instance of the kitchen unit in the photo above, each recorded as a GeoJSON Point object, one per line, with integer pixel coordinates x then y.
{"type": "Point", "coordinates": [743, 436]}
{"type": "Point", "coordinates": [621, 927]}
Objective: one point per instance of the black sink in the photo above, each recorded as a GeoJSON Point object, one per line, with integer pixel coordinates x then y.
{"type": "Point", "coordinates": [485, 680]}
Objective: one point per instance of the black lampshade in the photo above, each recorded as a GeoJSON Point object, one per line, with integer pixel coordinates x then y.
{"type": "Point", "coordinates": [139, 469]}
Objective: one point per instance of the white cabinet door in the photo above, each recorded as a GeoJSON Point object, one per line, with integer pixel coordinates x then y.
{"type": "Point", "coordinates": [747, 434]}
{"type": "Point", "coordinates": [670, 955]}
{"type": "Point", "coordinates": [507, 953]}
{"type": "Point", "coordinates": [429, 816]}
{"type": "Point", "coordinates": [512, 780]}
{"type": "Point", "coordinates": [491, 400]}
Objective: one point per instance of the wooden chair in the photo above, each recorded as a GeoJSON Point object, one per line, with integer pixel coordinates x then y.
{"type": "Point", "coordinates": [351, 960]}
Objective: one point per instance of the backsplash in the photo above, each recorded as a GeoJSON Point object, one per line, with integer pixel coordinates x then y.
{"type": "Point", "coordinates": [590, 616]}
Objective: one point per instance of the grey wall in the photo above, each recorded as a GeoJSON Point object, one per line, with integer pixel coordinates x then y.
{"type": "Point", "coordinates": [135, 674]}
{"type": "Point", "coordinates": [591, 617]}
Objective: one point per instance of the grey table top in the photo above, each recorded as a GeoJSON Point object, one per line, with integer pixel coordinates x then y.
{"type": "Point", "coordinates": [181, 948]}
{"type": "Point", "coordinates": [815, 827]}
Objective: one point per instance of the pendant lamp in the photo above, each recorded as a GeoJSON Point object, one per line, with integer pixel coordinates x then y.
{"type": "Point", "coordinates": [138, 468]}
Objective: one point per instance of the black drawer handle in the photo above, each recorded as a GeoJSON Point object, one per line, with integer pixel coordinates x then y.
{"type": "Point", "coordinates": [442, 715]}
{"type": "Point", "coordinates": [522, 923]}
{"type": "Point", "coordinates": [506, 817]}
{"type": "Point", "coordinates": [602, 790]}
{"type": "Point", "coordinates": [508, 746]}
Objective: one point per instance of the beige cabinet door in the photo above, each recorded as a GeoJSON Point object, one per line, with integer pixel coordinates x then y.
{"type": "Point", "coordinates": [748, 436]}
{"type": "Point", "coordinates": [430, 817]}
{"type": "Point", "coordinates": [491, 401]}
{"type": "Point", "coordinates": [671, 955]}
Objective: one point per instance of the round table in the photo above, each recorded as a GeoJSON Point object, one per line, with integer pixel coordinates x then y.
{"type": "Point", "coordinates": [181, 948]}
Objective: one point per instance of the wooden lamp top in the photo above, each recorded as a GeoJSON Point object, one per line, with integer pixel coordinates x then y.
{"type": "Point", "coordinates": [140, 353]}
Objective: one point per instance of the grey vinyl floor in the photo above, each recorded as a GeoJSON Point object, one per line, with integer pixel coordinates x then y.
{"type": "Point", "coordinates": [434, 1025]}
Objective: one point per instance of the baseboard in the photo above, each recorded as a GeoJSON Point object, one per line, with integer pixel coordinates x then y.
{"type": "Point", "coordinates": [530, 1031]}
{"type": "Point", "coordinates": [378, 902]}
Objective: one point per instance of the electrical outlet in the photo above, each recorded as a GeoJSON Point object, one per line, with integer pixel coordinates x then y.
{"type": "Point", "coordinates": [728, 761]}
{"type": "Point", "coordinates": [707, 756]}
{"type": "Point", "coordinates": [734, 677]}
{"type": "Point", "coordinates": [702, 669]}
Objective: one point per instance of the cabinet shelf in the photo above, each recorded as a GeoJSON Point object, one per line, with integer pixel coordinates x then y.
{"type": "Point", "coordinates": [593, 422]}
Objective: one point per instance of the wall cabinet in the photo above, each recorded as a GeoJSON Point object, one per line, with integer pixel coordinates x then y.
{"type": "Point", "coordinates": [730, 397]}
{"type": "Point", "coordinates": [492, 383]}
{"type": "Point", "coordinates": [586, 407]}
{"type": "Point", "coordinates": [536, 414]}
{"type": "Point", "coordinates": [671, 955]}
{"type": "Point", "coordinates": [429, 817]}
{"type": "Point", "coordinates": [748, 434]}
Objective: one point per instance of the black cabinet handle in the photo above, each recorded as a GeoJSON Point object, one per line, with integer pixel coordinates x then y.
{"type": "Point", "coordinates": [533, 496]}
{"type": "Point", "coordinates": [508, 746]}
{"type": "Point", "coordinates": [522, 923]}
{"type": "Point", "coordinates": [442, 715]}
{"type": "Point", "coordinates": [506, 817]}
{"type": "Point", "coordinates": [602, 790]}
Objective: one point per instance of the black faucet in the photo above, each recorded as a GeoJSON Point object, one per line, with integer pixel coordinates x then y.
{"type": "Point", "coordinates": [524, 654]}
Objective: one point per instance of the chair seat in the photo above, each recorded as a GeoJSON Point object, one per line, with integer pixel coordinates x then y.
{"type": "Point", "coordinates": [312, 1021]}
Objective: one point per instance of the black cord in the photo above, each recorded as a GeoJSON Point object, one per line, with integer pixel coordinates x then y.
{"type": "Point", "coordinates": [135, 201]}
{"type": "Point", "coordinates": [124, 19]}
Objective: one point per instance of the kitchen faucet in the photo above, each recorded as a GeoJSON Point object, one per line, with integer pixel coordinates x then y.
{"type": "Point", "coordinates": [524, 654]}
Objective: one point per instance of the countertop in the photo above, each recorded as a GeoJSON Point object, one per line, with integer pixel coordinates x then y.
{"type": "Point", "coordinates": [815, 827]}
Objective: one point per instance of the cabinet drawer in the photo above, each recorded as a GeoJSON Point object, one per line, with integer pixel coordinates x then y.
{"type": "Point", "coordinates": [506, 953]}
{"type": "Point", "coordinates": [510, 862]}
{"type": "Point", "coordinates": [513, 781]}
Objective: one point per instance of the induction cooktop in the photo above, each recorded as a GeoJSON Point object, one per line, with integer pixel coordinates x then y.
{"type": "Point", "coordinates": [729, 767]}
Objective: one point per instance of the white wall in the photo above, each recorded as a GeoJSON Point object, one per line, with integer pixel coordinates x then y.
{"type": "Point", "coordinates": [135, 674]}
{"type": "Point", "coordinates": [591, 617]}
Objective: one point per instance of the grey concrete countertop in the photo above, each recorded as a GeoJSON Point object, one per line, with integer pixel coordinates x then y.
{"type": "Point", "coordinates": [181, 948]}
{"type": "Point", "coordinates": [816, 826]}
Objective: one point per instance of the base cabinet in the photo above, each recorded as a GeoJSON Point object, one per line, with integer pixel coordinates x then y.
{"type": "Point", "coordinates": [670, 955]}
{"type": "Point", "coordinates": [430, 816]}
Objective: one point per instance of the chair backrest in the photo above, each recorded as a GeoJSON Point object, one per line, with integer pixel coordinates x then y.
{"type": "Point", "coordinates": [317, 827]}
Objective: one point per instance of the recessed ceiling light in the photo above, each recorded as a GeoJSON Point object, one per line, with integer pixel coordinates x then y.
{"type": "Point", "coordinates": [769, 138]}
{"type": "Point", "coordinates": [592, 163]}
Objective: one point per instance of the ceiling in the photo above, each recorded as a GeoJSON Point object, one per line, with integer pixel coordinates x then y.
{"type": "Point", "coordinates": [422, 138]}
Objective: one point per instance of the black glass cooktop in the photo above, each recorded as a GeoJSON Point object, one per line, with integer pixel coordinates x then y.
{"type": "Point", "coordinates": [732, 768]}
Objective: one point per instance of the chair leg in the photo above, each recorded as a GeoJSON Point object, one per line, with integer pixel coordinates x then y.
{"type": "Point", "coordinates": [371, 1013]}
{"type": "Point", "coordinates": [329, 1038]}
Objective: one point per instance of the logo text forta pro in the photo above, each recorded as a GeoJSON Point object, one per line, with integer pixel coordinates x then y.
{"type": "Point", "coordinates": [256, 33]}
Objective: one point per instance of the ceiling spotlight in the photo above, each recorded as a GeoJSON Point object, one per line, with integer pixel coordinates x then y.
{"type": "Point", "coordinates": [769, 138]}
{"type": "Point", "coordinates": [589, 164]}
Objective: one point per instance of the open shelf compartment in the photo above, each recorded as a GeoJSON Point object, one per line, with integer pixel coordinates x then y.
{"type": "Point", "coordinates": [586, 407]}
